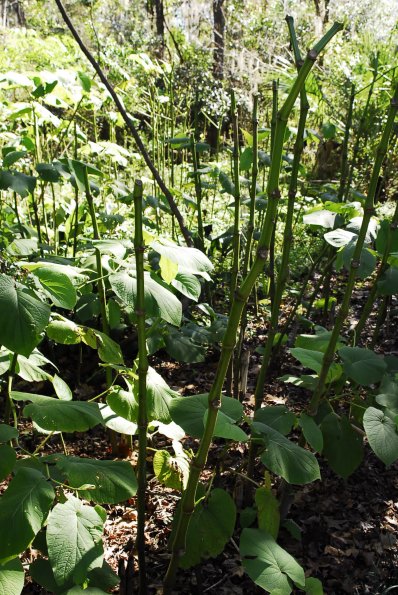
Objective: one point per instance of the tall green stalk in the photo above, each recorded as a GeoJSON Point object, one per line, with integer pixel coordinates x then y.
{"type": "Point", "coordinates": [231, 380]}
{"type": "Point", "coordinates": [344, 155]}
{"type": "Point", "coordinates": [198, 192]}
{"type": "Point", "coordinates": [100, 273]}
{"type": "Point", "coordinates": [287, 234]}
{"type": "Point", "coordinates": [249, 242]}
{"type": "Point", "coordinates": [240, 298]}
{"type": "Point", "coordinates": [356, 257]}
{"type": "Point", "coordinates": [142, 371]}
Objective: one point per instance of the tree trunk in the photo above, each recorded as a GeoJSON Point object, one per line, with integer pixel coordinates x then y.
{"type": "Point", "coordinates": [159, 13]}
{"type": "Point", "coordinates": [219, 43]}
{"type": "Point", "coordinates": [12, 13]}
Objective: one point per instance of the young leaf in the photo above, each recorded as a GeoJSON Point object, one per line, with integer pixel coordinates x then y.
{"type": "Point", "coordinates": [343, 446]}
{"type": "Point", "coordinates": [123, 403]}
{"type": "Point", "coordinates": [210, 528]}
{"type": "Point", "coordinates": [267, 564]}
{"type": "Point", "coordinates": [283, 457]}
{"type": "Point", "coordinates": [188, 260]}
{"type": "Point", "coordinates": [23, 316]}
{"type": "Point", "coordinates": [311, 431]}
{"type": "Point", "coordinates": [171, 471]}
{"type": "Point", "coordinates": [62, 390]}
{"type": "Point", "coordinates": [381, 432]}
{"type": "Point", "coordinates": [24, 507]}
{"type": "Point", "coordinates": [74, 540]}
{"type": "Point", "coordinates": [267, 511]}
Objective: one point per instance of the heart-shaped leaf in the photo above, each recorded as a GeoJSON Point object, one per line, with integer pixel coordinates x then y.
{"type": "Point", "coordinates": [23, 316]}
{"type": "Point", "coordinates": [381, 432]}
{"type": "Point", "coordinates": [24, 507]}
{"type": "Point", "coordinates": [267, 564]}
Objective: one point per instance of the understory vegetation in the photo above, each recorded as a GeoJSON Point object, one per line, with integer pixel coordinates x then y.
{"type": "Point", "coordinates": [198, 280]}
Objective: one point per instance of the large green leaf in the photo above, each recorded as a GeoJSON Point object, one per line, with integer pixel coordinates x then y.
{"type": "Point", "coordinates": [65, 332]}
{"type": "Point", "coordinates": [367, 260]}
{"type": "Point", "coordinates": [363, 366]}
{"type": "Point", "coordinates": [189, 260]}
{"type": "Point", "coordinates": [12, 577]}
{"type": "Point", "coordinates": [182, 348]}
{"type": "Point", "coordinates": [276, 416]}
{"type": "Point", "coordinates": [159, 300]}
{"type": "Point", "coordinates": [381, 432]}
{"type": "Point", "coordinates": [18, 182]}
{"type": "Point", "coordinates": [188, 285]}
{"type": "Point", "coordinates": [317, 342]}
{"type": "Point", "coordinates": [311, 431]}
{"type": "Point", "coordinates": [74, 540]}
{"type": "Point", "coordinates": [267, 511]}
{"type": "Point", "coordinates": [339, 237]}
{"type": "Point", "coordinates": [7, 433]}
{"type": "Point", "coordinates": [116, 422]}
{"type": "Point", "coordinates": [267, 564]}
{"type": "Point", "coordinates": [114, 481]}
{"type": "Point", "coordinates": [55, 415]}
{"type": "Point", "coordinates": [321, 217]}
{"type": "Point", "coordinates": [210, 528]}
{"type": "Point", "coordinates": [57, 286]}
{"type": "Point", "coordinates": [388, 284]}
{"type": "Point", "coordinates": [190, 412]}
{"type": "Point", "coordinates": [123, 403]}
{"type": "Point", "coordinates": [24, 507]}
{"type": "Point", "coordinates": [343, 446]}
{"type": "Point", "coordinates": [22, 316]}
{"type": "Point", "coordinates": [159, 396]}
{"type": "Point", "coordinates": [283, 457]}
{"type": "Point", "coordinates": [384, 234]}
{"type": "Point", "coordinates": [313, 360]}
{"type": "Point", "coordinates": [171, 470]}
{"type": "Point", "coordinates": [8, 457]}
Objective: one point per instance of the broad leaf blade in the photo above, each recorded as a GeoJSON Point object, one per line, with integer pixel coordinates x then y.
{"type": "Point", "coordinates": [24, 507]}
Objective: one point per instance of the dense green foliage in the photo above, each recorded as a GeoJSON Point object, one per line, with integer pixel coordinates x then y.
{"type": "Point", "coordinates": [267, 207]}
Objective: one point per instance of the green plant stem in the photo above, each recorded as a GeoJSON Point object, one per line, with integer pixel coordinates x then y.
{"type": "Point", "coordinates": [287, 243]}
{"type": "Point", "coordinates": [198, 191]}
{"type": "Point", "coordinates": [240, 299]}
{"type": "Point", "coordinates": [10, 406]}
{"type": "Point", "coordinates": [382, 268]}
{"type": "Point", "coordinates": [142, 371]}
{"type": "Point", "coordinates": [100, 279]}
{"type": "Point", "coordinates": [288, 233]}
{"type": "Point", "coordinates": [344, 154]}
{"type": "Point", "coordinates": [231, 379]}
{"type": "Point", "coordinates": [129, 123]}
{"type": "Point", "coordinates": [249, 238]}
{"type": "Point", "coordinates": [356, 257]}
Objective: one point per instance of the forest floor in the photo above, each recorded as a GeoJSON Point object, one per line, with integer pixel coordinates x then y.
{"type": "Point", "coordinates": [348, 529]}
